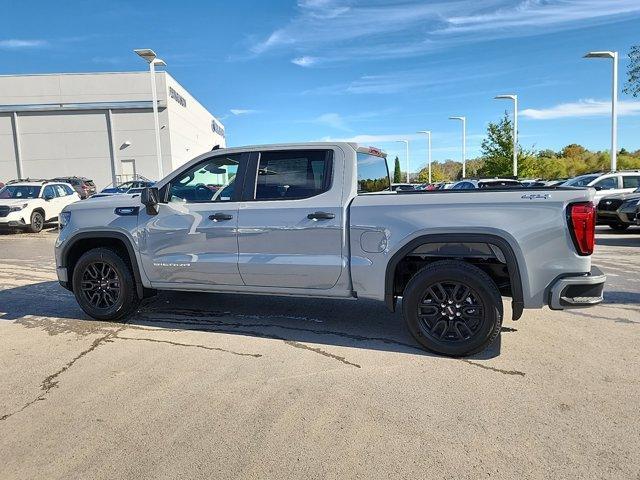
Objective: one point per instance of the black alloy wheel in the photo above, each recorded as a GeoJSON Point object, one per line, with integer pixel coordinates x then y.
{"type": "Point", "coordinates": [101, 285]}
{"type": "Point", "coordinates": [452, 308]}
{"type": "Point", "coordinates": [450, 312]}
{"type": "Point", "coordinates": [104, 284]}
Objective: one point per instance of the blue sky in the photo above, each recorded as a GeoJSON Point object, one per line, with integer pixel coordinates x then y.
{"type": "Point", "coordinates": [368, 70]}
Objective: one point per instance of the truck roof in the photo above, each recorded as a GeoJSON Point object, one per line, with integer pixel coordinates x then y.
{"type": "Point", "coordinates": [353, 145]}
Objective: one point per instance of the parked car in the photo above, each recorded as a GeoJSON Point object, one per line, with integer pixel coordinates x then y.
{"type": "Point", "coordinates": [485, 183]}
{"type": "Point", "coordinates": [318, 220]}
{"type": "Point", "coordinates": [126, 186]}
{"type": "Point", "coordinates": [607, 183]}
{"type": "Point", "coordinates": [30, 204]}
{"type": "Point", "coordinates": [555, 183]}
{"type": "Point", "coordinates": [83, 186]}
{"type": "Point", "coordinates": [529, 183]}
{"type": "Point", "coordinates": [618, 211]}
{"type": "Point", "coordinates": [402, 186]}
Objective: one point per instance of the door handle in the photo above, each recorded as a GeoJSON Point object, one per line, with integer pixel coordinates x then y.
{"type": "Point", "coordinates": [321, 216]}
{"type": "Point", "coordinates": [219, 216]}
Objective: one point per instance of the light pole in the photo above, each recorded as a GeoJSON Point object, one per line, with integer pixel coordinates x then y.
{"type": "Point", "coordinates": [152, 59]}
{"type": "Point", "coordinates": [428, 133]}
{"type": "Point", "coordinates": [464, 143]}
{"type": "Point", "coordinates": [515, 129]}
{"type": "Point", "coordinates": [614, 103]}
{"type": "Point", "coordinates": [406, 144]}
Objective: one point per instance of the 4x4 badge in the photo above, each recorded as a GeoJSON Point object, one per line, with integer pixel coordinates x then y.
{"type": "Point", "coordinates": [541, 196]}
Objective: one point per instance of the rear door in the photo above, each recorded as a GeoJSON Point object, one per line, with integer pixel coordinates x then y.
{"type": "Point", "coordinates": [290, 225]}
{"type": "Point", "coordinates": [193, 238]}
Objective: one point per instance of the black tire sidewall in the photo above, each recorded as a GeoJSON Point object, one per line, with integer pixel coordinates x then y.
{"type": "Point", "coordinates": [618, 227]}
{"type": "Point", "coordinates": [32, 228]}
{"type": "Point", "coordinates": [128, 299]}
{"type": "Point", "coordinates": [474, 278]}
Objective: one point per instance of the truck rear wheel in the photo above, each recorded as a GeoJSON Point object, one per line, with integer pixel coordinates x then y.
{"type": "Point", "coordinates": [453, 308]}
{"type": "Point", "coordinates": [104, 285]}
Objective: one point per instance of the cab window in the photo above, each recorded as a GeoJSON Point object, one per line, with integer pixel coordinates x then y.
{"type": "Point", "coordinates": [212, 180]}
{"type": "Point", "coordinates": [373, 173]}
{"type": "Point", "coordinates": [49, 192]}
{"type": "Point", "coordinates": [60, 191]}
{"type": "Point", "coordinates": [630, 182]}
{"type": "Point", "coordinates": [607, 183]}
{"type": "Point", "coordinates": [293, 174]}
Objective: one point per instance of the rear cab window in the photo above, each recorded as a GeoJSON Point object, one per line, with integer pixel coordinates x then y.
{"type": "Point", "coordinates": [293, 174]}
{"type": "Point", "coordinates": [373, 172]}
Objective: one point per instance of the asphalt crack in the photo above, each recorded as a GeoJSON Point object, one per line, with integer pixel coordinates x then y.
{"type": "Point", "coordinates": [192, 345]}
{"type": "Point", "coordinates": [51, 381]}
{"type": "Point", "coordinates": [320, 352]}
{"type": "Point", "coordinates": [493, 369]}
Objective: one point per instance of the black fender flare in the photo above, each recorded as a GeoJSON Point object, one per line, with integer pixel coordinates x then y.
{"type": "Point", "coordinates": [517, 303]}
{"type": "Point", "coordinates": [99, 234]}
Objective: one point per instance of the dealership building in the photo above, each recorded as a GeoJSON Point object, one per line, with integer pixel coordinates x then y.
{"type": "Point", "coordinates": [100, 126]}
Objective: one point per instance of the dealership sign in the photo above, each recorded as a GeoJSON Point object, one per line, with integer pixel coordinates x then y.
{"type": "Point", "coordinates": [177, 97]}
{"type": "Point", "coordinates": [217, 128]}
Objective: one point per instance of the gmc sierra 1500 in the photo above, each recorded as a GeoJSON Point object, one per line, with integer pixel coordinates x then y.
{"type": "Point", "coordinates": [320, 220]}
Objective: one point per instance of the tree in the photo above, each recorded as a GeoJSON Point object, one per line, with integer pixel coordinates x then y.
{"type": "Point", "coordinates": [632, 86]}
{"type": "Point", "coordinates": [573, 150]}
{"type": "Point", "coordinates": [497, 149]}
{"type": "Point", "coordinates": [397, 173]}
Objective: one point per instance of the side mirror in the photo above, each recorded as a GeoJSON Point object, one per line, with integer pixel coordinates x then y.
{"type": "Point", "coordinates": [48, 197]}
{"type": "Point", "coordinates": [150, 198]}
{"type": "Point", "coordinates": [597, 187]}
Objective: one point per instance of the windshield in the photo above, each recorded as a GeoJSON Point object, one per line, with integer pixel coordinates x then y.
{"type": "Point", "coordinates": [581, 181]}
{"type": "Point", "coordinates": [20, 191]}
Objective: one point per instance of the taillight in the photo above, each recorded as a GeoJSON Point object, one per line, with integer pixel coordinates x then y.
{"type": "Point", "coordinates": [582, 225]}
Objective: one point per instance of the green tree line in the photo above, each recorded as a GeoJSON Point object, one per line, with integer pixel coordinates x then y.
{"type": "Point", "coordinates": [496, 159]}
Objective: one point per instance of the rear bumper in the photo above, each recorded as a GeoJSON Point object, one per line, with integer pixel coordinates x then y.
{"type": "Point", "coordinates": [578, 291]}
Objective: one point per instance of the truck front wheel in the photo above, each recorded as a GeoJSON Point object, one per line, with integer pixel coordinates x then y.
{"type": "Point", "coordinates": [104, 285]}
{"type": "Point", "coordinates": [453, 308]}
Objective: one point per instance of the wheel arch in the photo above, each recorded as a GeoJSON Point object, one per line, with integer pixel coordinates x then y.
{"type": "Point", "coordinates": [84, 241]}
{"type": "Point", "coordinates": [499, 243]}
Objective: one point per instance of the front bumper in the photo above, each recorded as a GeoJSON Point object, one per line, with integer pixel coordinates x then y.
{"type": "Point", "coordinates": [63, 278]}
{"type": "Point", "coordinates": [9, 223]}
{"type": "Point", "coordinates": [578, 291]}
{"type": "Point", "coordinates": [606, 217]}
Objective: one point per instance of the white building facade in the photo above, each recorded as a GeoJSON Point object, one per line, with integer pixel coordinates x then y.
{"type": "Point", "coordinates": [99, 126]}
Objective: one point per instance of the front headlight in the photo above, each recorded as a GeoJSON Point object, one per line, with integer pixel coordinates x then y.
{"type": "Point", "coordinates": [65, 217]}
{"type": "Point", "coordinates": [629, 204]}
{"type": "Point", "coordinates": [17, 209]}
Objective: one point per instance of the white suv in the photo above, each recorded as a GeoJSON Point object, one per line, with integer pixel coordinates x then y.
{"type": "Point", "coordinates": [30, 204]}
{"type": "Point", "coordinates": [607, 183]}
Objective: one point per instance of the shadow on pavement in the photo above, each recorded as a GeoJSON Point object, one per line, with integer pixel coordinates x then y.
{"type": "Point", "coordinates": [357, 324]}
{"type": "Point", "coordinates": [619, 240]}
{"type": "Point", "coordinates": [618, 297]}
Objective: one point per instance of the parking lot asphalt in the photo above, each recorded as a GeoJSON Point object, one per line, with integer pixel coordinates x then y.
{"type": "Point", "coordinates": [235, 386]}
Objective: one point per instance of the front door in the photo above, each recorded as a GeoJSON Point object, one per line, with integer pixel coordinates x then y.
{"type": "Point", "coordinates": [193, 238]}
{"type": "Point", "coordinates": [290, 226]}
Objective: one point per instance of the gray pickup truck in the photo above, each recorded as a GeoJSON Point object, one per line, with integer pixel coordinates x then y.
{"type": "Point", "coordinates": [320, 220]}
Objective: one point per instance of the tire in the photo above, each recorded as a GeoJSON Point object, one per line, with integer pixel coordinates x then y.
{"type": "Point", "coordinates": [109, 285]}
{"type": "Point", "coordinates": [452, 322]}
{"type": "Point", "coordinates": [619, 227]}
{"type": "Point", "coordinates": [36, 222]}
